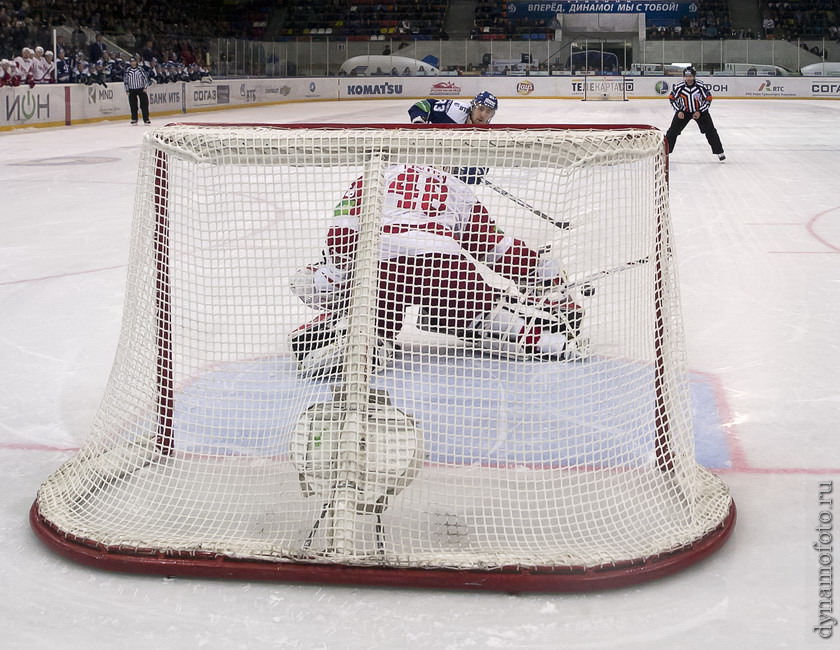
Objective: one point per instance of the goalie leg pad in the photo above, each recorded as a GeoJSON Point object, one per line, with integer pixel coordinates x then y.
{"type": "Point", "coordinates": [328, 361]}
{"type": "Point", "coordinates": [319, 347]}
{"type": "Point", "coordinates": [320, 332]}
{"type": "Point", "coordinates": [557, 313]}
{"type": "Point", "coordinates": [516, 329]}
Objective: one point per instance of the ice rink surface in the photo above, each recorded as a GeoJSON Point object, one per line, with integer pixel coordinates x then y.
{"type": "Point", "coordinates": [758, 250]}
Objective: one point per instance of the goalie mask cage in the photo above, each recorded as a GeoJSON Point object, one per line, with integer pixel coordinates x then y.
{"type": "Point", "coordinates": [448, 467]}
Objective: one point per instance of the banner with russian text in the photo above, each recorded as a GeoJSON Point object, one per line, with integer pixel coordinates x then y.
{"type": "Point", "coordinates": [655, 12]}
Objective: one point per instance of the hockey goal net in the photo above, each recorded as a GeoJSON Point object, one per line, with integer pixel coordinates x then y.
{"type": "Point", "coordinates": [605, 88]}
{"type": "Point", "coordinates": [442, 463]}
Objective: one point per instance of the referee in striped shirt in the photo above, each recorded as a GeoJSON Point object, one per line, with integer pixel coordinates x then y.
{"type": "Point", "coordinates": [691, 100]}
{"type": "Point", "coordinates": [136, 81]}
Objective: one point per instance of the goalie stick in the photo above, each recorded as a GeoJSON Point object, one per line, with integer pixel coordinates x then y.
{"type": "Point", "coordinates": [585, 284]}
{"type": "Point", "coordinates": [564, 225]}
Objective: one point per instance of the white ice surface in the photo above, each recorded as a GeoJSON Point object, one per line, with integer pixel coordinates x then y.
{"type": "Point", "coordinates": [758, 244]}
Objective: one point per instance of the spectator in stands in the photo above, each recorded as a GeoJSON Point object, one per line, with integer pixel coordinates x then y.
{"type": "Point", "coordinates": [148, 53]}
{"type": "Point", "coordinates": [186, 54]}
{"type": "Point", "coordinates": [805, 17]}
{"type": "Point", "coordinates": [19, 35]}
{"type": "Point", "coordinates": [61, 46]}
{"type": "Point", "coordinates": [43, 36]}
{"type": "Point", "coordinates": [769, 26]}
{"type": "Point", "coordinates": [96, 49]}
{"type": "Point", "coordinates": [79, 39]}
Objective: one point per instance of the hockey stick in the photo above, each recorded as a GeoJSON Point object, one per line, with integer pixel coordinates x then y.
{"type": "Point", "coordinates": [585, 284]}
{"type": "Point", "coordinates": [565, 225]}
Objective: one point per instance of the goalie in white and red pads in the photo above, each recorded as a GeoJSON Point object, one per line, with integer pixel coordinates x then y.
{"type": "Point", "coordinates": [437, 245]}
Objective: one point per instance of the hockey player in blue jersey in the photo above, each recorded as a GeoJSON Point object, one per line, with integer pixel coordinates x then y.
{"type": "Point", "coordinates": [480, 110]}
{"type": "Point", "coordinates": [451, 111]}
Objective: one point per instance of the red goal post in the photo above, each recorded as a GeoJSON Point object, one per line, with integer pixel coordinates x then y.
{"type": "Point", "coordinates": [449, 468]}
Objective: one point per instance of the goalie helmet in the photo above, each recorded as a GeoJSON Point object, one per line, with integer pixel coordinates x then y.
{"type": "Point", "coordinates": [485, 98]}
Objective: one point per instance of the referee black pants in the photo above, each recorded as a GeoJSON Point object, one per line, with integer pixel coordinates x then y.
{"type": "Point", "coordinates": [133, 96]}
{"type": "Point", "coordinates": [704, 122]}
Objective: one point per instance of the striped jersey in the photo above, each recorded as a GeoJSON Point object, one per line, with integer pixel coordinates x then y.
{"type": "Point", "coordinates": [135, 78]}
{"type": "Point", "coordinates": [690, 99]}
{"type": "Point", "coordinates": [440, 111]}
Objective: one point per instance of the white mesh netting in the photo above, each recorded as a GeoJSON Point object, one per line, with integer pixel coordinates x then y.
{"type": "Point", "coordinates": [440, 426]}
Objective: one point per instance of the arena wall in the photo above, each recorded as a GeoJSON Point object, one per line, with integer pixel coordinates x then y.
{"type": "Point", "coordinates": [58, 105]}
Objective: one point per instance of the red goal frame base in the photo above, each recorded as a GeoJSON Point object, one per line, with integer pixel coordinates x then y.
{"type": "Point", "coordinates": [506, 579]}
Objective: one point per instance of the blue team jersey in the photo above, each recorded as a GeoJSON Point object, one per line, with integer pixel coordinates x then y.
{"type": "Point", "coordinates": [440, 111]}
